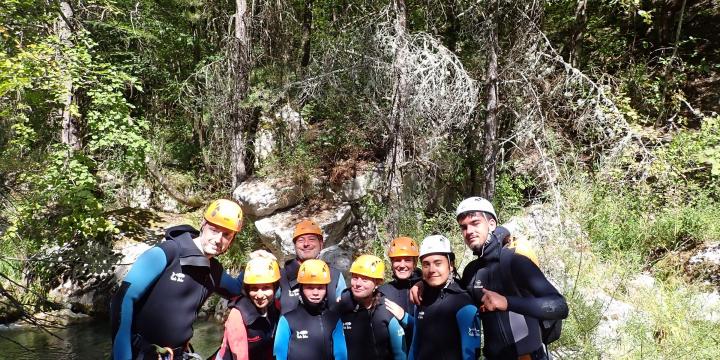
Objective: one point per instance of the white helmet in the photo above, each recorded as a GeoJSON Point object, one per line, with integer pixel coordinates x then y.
{"type": "Point", "coordinates": [475, 203]}
{"type": "Point", "coordinates": [435, 244]}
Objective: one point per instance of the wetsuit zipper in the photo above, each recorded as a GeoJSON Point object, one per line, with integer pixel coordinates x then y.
{"type": "Point", "coordinates": [322, 334]}
{"type": "Point", "coordinates": [372, 333]}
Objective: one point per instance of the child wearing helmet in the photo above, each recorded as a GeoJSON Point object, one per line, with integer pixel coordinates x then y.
{"type": "Point", "coordinates": [446, 325]}
{"type": "Point", "coordinates": [251, 324]}
{"type": "Point", "coordinates": [179, 274]}
{"type": "Point", "coordinates": [371, 331]}
{"type": "Point", "coordinates": [311, 330]}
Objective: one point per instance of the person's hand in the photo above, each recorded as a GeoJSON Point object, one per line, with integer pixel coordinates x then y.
{"type": "Point", "coordinates": [262, 254]}
{"type": "Point", "coordinates": [395, 309]}
{"type": "Point", "coordinates": [492, 301]}
{"type": "Point", "coordinates": [416, 293]}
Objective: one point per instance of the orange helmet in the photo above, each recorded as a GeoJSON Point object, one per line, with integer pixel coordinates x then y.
{"type": "Point", "coordinates": [225, 213]}
{"type": "Point", "coordinates": [314, 271]}
{"type": "Point", "coordinates": [307, 226]}
{"type": "Point", "coordinates": [403, 246]}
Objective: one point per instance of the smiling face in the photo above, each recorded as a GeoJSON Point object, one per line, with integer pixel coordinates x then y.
{"type": "Point", "coordinates": [436, 269]}
{"type": "Point", "coordinates": [214, 240]}
{"type": "Point", "coordinates": [475, 229]}
{"type": "Point", "coordinates": [403, 266]}
{"type": "Point", "coordinates": [261, 295]}
{"type": "Point", "coordinates": [314, 293]}
{"type": "Point", "coordinates": [307, 246]}
{"type": "Point", "coordinates": [362, 286]}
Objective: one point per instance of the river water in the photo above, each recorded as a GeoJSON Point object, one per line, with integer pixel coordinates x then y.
{"type": "Point", "coordinates": [87, 342]}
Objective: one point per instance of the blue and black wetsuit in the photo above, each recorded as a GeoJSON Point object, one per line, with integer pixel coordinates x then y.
{"type": "Point", "coordinates": [446, 325]}
{"type": "Point", "coordinates": [371, 333]}
{"type": "Point", "coordinates": [159, 298]}
{"type": "Point", "coordinates": [248, 333]}
{"type": "Point", "coordinates": [398, 291]}
{"type": "Point", "coordinates": [509, 334]}
{"type": "Point", "coordinates": [290, 289]}
{"type": "Point", "coordinates": [310, 331]}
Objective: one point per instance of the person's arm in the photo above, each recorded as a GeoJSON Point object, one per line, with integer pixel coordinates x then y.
{"type": "Point", "coordinates": [546, 303]}
{"type": "Point", "coordinates": [339, 345]}
{"type": "Point", "coordinates": [142, 275]}
{"type": "Point", "coordinates": [397, 340]}
{"type": "Point", "coordinates": [406, 319]}
{"type": "Point", "coordinates": [413, 343]}
{"type": "Point", "coordinates": [469, 333]}
{"type": "Point", "coordinates": [236, 335]}
{"type": "Point", "coordinates": [282, 339]}
{"type": "Point", "coordinates": [340, 286]}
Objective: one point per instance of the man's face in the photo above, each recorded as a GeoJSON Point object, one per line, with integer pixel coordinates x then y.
{"type": "Point", "coordinates": [215, 240]}
{"type": "Point", "coordinates": [314, 293]}
{"type": "Point", "coordinates": [308, 246]}
{"type": "Point", "coordinates": [475, 229]}
{"type": "Point", "coordinates": [436, 269]}
{"type": "Point", "coordinates": [403, 266]}
{"type": "Point", "coordinates": [362, 287]}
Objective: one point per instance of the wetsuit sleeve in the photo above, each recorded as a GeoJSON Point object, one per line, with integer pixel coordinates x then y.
{"type": "Point", "coordinates": [142, 275]}
{"type": "Point", "coordinates": [282, 339]}
{"type": "Point", "coordinates": [469, 333]}
{"type": "Point", "coordinates": [340, 286]}
{"type": "Point", "coordinates": [231, 286]}
{"type": "Point", "coordinates": [413, 344]}
{"type": "Point", "coordinates": [397, 340]}
{"type": "Point", "coordinates": [236, 335]}
{"type": "Point", "coordinates": [339, 346]}
{"type": "Point", "coordinates": [546, 303]}
{"type": "Point", "coordinates": [408, 321]}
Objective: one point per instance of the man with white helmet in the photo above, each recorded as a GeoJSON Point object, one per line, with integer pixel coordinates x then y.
{"type": "Point", "coordinates": [445, 322]}
{"type": "Point", "coordinates": [496, 280]}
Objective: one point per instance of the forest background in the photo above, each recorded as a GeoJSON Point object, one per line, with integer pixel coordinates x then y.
{"type": "Point", "coordinates": [605, 111]}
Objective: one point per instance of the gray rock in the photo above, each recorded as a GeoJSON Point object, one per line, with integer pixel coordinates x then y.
{"type": "Point", "coordinates": [62, 317]}
{"type": "Point", "coordinates": [365, 180]}
{"type": "Point", "coordinates": [276, 231]}
{"type": "Point", "coordinates": [262, 197]}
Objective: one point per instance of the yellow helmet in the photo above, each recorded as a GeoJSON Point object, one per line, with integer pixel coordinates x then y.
{"type": "Point", "coordinates": [225, 213]}
{"type": "Point", "coordinates": [314, 271]}
{"type": "Point", "coordinates": [403, 246]}
{"type": "Point", "coordinates": [261, 271]}
{"type": "Point", "coordinates": [307, 226]}
{"type": "Point", "coordinates": [368, 265]}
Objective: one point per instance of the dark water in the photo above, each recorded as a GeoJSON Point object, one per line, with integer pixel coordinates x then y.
{"type": "Point", "coordinates": [88, 341]}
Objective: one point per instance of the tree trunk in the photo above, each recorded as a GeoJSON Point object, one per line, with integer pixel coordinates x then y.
{"type": "Point", "coordinates": [490, 128]}
{"type": "Point", "coordinates": [69, 132]}
{"type": "Point", "coordinates": [240, 71]}
{"type": "Point", "coordinates": [396, 154]}
{"type": "Point", "coordinates": [306, 32]}
{"type": "Point", "coordinates": [577, 34]}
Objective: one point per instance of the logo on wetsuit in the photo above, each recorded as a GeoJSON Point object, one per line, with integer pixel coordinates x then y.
{"type": "Point", "coordinates": [347, 325]}
{"type": "Point", "coordinates": [474, 332]}
{"type": "Point", "coordinates": [421, 315]}
{"type": "Point", "coordinates": [179, 277]}
{"type": "Point", "coordinates": [302, 334]}
{"type": "Point", "coordinates": [294, 292]}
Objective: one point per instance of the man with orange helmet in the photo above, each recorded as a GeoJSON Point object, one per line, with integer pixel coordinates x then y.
{"type": "Point", "coordinates": [308, 241]}
{"type": "Point", "coordinates": [311, 330]}
{"type": "Point", "coordinates": [153, 311]}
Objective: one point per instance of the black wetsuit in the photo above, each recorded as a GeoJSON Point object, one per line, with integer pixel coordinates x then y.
{"type": "Point", "coordinates": [370, 333]}
{"type": "Point", "coordinates": [290, 288]}
{"type": "Point", "coordinates": [398, 291]}
{"type": "Point", "coordinates": [159, 298]}
{"type": "Point", "coordinates": [310, 331]}
{"type": "Point", "coordinates": [508, 334]}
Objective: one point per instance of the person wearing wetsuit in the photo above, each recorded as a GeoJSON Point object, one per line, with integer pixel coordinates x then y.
{"type": "Point", "coordinates": [250, 326]}
{"type": "Point", "coordinates": [308, 241]}
{"type": "Point", "coordinates": [371, 331]}
{"type": "Point", "coordinates": [403, 254]}
{"type": "Point", "coordinates": [312, 330]}
{"type": "Point", "coordinates": [446, 326]}
{"type": "Point", "coordinates": [511, 323]}
{"type": "Point", "coordinates": [153, 311]}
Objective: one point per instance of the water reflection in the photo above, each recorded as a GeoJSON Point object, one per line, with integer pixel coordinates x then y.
{"type": "Point", "coordinates": [87, 341]}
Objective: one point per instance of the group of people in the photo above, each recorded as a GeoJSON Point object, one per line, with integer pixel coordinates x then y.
{"type": "Point", "coordinates": [306, 311]}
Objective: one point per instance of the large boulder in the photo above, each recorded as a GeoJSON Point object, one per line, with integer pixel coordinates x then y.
{"type": "Point", "coordinates": [262, 197]}
{"type": "Point", "coordinates": [276, 231]}
{"type": "Point", "coordinates": [284, 126]}
{"type": "Point", "coordinates": [365, 179]}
